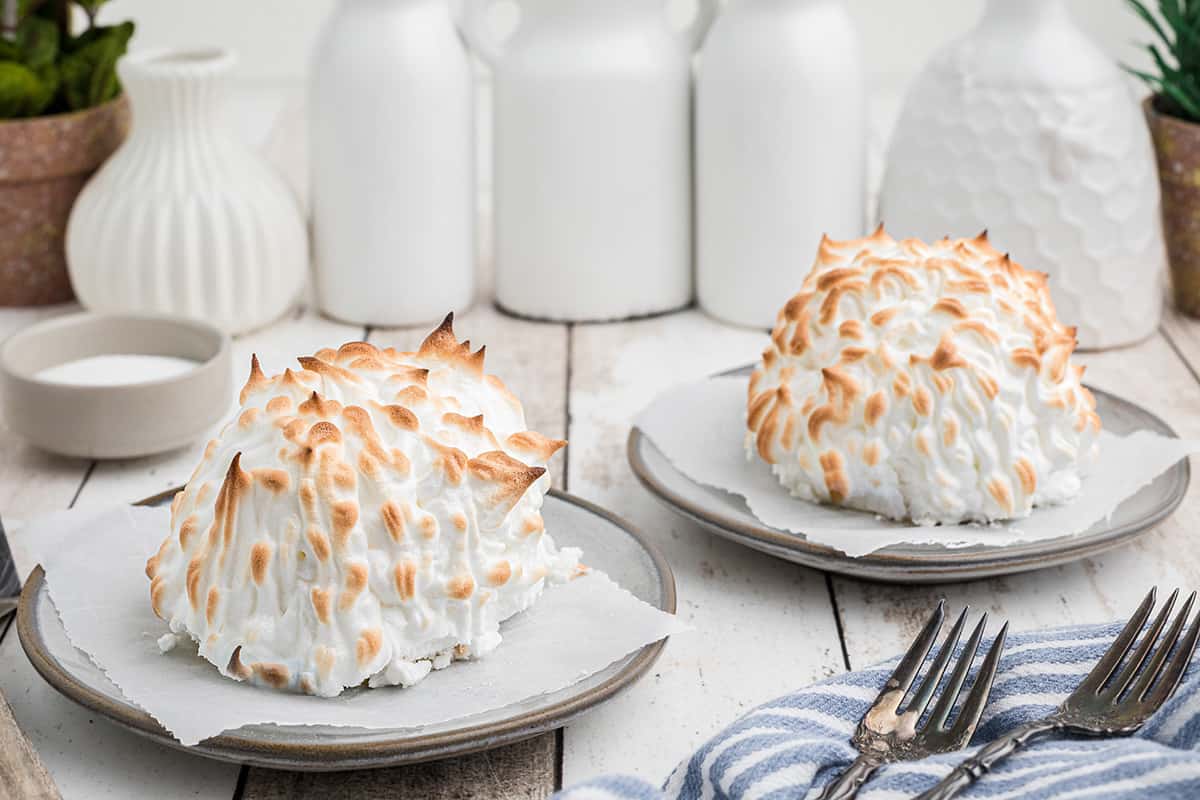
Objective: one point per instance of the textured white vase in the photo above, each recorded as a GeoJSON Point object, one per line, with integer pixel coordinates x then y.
{"type": "Point", "coordinates": [1027, 129]}
{"type": "Point", "coordinates": [780, 151]}
{"type": "Point", "coordinates": [184, 218]}
{"type": "Point", "coordinates": [592, 156]}
{"type": "Point", "coordinates": [392, 163]}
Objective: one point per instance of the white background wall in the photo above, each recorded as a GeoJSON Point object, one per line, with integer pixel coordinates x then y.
{"type": "Point", "coordinates": [273, 37]}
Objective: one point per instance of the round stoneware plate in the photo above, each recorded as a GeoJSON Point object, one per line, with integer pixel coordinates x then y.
{"type": "Point", "coordinates": [609, 544]}
{"type": "Point", "coordinates": [726, 515]}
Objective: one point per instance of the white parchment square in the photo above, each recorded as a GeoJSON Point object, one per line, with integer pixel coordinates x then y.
{"type": "Point", "coordinates": [95, 560]}
{"type": "Point", "coordinates": [700, 427]}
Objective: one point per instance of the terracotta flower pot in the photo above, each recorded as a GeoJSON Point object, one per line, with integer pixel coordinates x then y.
{"type": "Point", "coordinates": [44, 162]}
{"type": "Point", "coordinates": [1177, 146]}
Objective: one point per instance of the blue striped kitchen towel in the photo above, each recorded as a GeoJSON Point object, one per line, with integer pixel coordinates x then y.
{"type": "Point", "coordinates": [793, 746]}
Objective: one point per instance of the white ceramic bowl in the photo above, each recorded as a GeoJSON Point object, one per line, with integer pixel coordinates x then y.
{"type": "Point", "coordinates": [114, 421]}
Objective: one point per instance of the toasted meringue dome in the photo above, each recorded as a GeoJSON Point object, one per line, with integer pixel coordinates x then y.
{"type": "Point", "coordinates": [930, 382]}
{"type": "Point", "coordinates": [368, 517]}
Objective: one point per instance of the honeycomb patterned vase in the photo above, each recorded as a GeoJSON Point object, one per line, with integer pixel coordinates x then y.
{"type": "Point", "coordinates": [1026, 129]}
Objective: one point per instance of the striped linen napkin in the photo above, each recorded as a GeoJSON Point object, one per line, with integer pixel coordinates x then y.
{"type": "Point", "coordinates": [793, 746]}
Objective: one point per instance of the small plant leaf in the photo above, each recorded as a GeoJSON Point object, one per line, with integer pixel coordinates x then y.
{"type": "Point", "coordinates": [1149, 19]}
{"type": "Point", "coordinates": [88, 70]}
{"type": "Point", "coordinates": [91, 6]}
{"type": "Point", "coordinates": [1153, 81]}
{"type": "Point", "coordinates": [1176, 56]}
{"type": "Point", "coordinates": [94, 33]}
{"type": "Point", "coordinates": [37, 42]}
{"type": "Point", "coordinates": [1181, 99]}
{"type": "Point", "coordinates": [1163, 67]}
{"type": "Point", "coordinates": [48, 75]}
{"type": "Point", "coordinates": [22, 93]}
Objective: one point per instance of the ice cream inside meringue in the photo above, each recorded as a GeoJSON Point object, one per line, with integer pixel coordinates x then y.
{"type": "Point", "coordinates": [930, 382]}
{"type": "Point", "coordinates": [367, 517]}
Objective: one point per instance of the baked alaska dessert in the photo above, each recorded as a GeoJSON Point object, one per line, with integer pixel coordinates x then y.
{"type": "Point", "coordinates": [930, 382]}
{"type": "Point", "coordinates": [369, 517]}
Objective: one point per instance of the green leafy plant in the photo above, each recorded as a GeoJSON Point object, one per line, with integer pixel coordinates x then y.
{"type": "Point", "coordinates": [47, 69]}
{"type": "Point", "coordinates": [1176, 56]}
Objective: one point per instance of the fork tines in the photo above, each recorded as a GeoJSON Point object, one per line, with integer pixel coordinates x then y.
{"type": "Point", "coordinates": [936, 733]}
{"type": "Point", "coordinates": [1163, 671]}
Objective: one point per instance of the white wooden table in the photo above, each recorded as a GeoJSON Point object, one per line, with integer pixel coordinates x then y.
{"type": "Point", "coordinates": [763, 627]}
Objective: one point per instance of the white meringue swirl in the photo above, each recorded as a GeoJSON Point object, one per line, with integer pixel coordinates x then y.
{"type": "Point", "coordinates": [930, 382]}
{"type": "Point", "coordinates": [364, 519]}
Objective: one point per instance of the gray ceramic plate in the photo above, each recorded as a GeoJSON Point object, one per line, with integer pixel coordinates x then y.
{"type": "Point", "coordinates": [608, 543]}
{"type": "Point", "coordinates": [727, 515]}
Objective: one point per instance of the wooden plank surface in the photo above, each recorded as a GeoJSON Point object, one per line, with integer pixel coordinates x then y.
{"type": "Point", "coordinates": [515, 772]}
{"type": "Point", "coordinates": [1183, 334]}
{"type": "Point", "coordinates": [762, 626]}
{"type": "Point", "coordinates": [22, 773]}
{"type": "Point", "coordinates": [33, 482]}
{"type": "Point", "coordinates": [90, 757]}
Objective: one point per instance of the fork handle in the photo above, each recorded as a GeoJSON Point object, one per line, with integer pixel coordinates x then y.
{"type": "Point", "coordinates": [846, 785]}
{"type": "Point", "coordinates": [986, 759]}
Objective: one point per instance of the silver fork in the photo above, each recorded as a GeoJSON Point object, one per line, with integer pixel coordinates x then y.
{"type": "Point", "coordinates": [10, 583]}
{"type": "Point", "coordinates": [1097, 707]}
{"type": "Point", "coordinates": [886, 734]}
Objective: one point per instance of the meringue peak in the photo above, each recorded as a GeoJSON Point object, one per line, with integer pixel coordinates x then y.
{"type": "Point", "coordinates": [256, 380]}
{"type": "Point", "coordinates": [441, 340]}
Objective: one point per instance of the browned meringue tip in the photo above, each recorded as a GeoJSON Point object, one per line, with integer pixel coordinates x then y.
{"type": "Point", "coordinates": [441, 339]}
{"type": "Point", "coordinates": [350, 349]}
{"type": "Point", "coordinates": [476, 359]}
{"type": "Point", "coordinates": [443, 343]}
{"type": "Point", "coordinates": [509, 477]}
{"type": "Point", "coordinates": [256, 380]}
{"type": "Point", "coordinates": [536, 444]}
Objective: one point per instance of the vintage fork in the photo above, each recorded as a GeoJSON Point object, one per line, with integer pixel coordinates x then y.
{"type": "Point", "coordinates": [10, 582]}
{"type": "Point", "coordinates": [886, 734]}
{"type": "Point", "coordinates": [1097, 707]}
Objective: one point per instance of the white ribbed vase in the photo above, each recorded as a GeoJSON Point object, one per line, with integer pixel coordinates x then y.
{"type": "Point", "coordinates": [184, 218]}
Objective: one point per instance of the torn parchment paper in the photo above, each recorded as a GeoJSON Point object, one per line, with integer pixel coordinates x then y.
{"type": "Point", "coordinates": [700, 427]}
{"type": "Point", "coordinates": [95, 560]}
